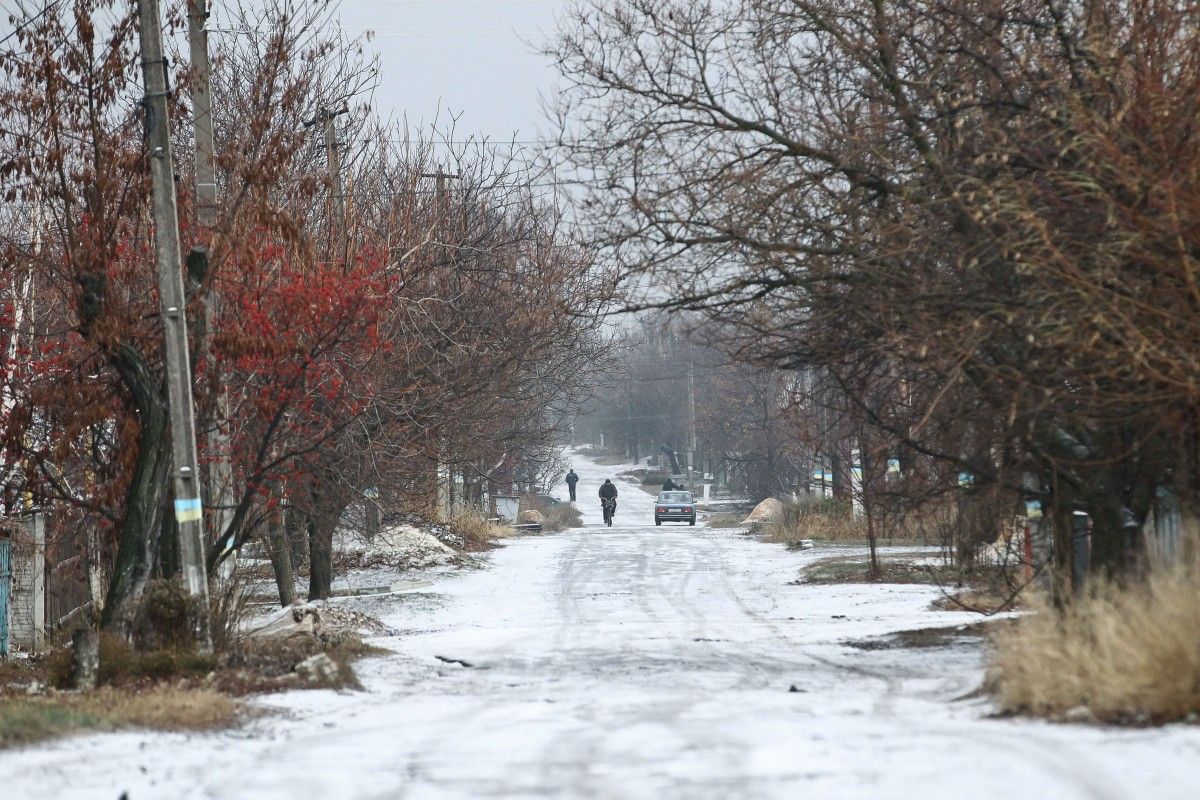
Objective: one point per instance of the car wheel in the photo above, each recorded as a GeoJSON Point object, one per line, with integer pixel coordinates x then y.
{"type": "Point", "coordinates": [657, 521]}
{"type": "Point", "coordinates": [692, 521]}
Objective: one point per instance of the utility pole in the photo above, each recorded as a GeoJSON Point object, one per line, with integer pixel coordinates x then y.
{"type": "Point", "coordinates": [445, 471]}
{"type": "Point", "coordinates": [333, 162]}
{"type": "Point", "coordinates": [441, 178]}
{"type": "Point", "coordinates": [202, 125]}
{"type": "Point", "coordinates": [691, 416]}
{"type": "Point", "coordinates": [189, 514]}
{"type": "Point", "coordinates": [220, 471]}
{"type": "Point", "coordinates": [630, 431]}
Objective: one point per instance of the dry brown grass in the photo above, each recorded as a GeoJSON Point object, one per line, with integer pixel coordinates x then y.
{"type": "Point", "coordinates": [829, 520]}
{"type": "Point", "coordinates": [825, 520]}
{"type": "Point", "coordinates": [30, 719]}
{"type": "Point", "coordinates": [1129, 655]}
{"type": "Point", "coordinates": [478, 533]}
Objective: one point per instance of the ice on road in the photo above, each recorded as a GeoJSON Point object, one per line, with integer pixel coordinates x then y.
{"type": "Point", "coordinates": [635, 662]}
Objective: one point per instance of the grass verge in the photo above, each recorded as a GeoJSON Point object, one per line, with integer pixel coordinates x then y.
{"type": "Point", "coordinates": [611, 459]}
{"type": "Point", "coordinates": [1119, 654]}
{"type": "Point", "coordinates": [24, 720]}
{"type": "Point", "coordinates": [170, 688]}
{"type": "Point", "coordinates": [857, 570]}
{"type": "Point", "coordinates": [982, 589]}
{"type": "Point", "coordinates": [930, 638]}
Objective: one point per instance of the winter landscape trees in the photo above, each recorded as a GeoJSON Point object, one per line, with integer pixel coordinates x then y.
{"type": "Point", "coordinates": [355, 323]}
{"type": "Point", "coordinates": [970, 226]}
{"type": "Point", "coordinates": [939, 254]}
{"type": "Point", "coordinates": [969, 219]}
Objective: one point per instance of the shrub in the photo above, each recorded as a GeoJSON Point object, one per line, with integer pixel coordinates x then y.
{"type": "Point", "coordinates": [655, 478]}
{"type": "Point", "coordinates": [228, 608]}
{"type": "Point", "coordinates": [121, 665]}
{"type": "Point", "coordinates": [165, 617]}
{"type": "Point", "coordinates": [1117, 654]}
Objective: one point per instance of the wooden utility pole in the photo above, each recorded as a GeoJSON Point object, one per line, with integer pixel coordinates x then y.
{"type": "Point", "coordinates": [188, 512]}
{"type": "Point", "coordinates": [333, 162]}
{"type": "Point", "coordinates": [441, 178]}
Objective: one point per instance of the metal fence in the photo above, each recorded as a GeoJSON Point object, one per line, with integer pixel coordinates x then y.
{"type": "Point", "coordinates": [5, 589]}
{"type": "Point", "coordinates": [67, 592]}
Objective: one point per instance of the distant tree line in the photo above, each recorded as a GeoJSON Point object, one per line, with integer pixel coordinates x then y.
{"type": "Point", "coordinates": [671, 393]}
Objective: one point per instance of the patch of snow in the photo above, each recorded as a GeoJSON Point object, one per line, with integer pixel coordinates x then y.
{"type": "Point", "coordinates": [399, 546]}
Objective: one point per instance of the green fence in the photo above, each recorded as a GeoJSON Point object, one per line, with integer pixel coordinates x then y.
{"type": "Point", "coordinates": [5, 590]}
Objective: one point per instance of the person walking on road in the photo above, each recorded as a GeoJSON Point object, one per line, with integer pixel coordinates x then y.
{"type": "Point", "coordinates": [669, 485]}
{"type": "Point", "coordinates": [572, 479]}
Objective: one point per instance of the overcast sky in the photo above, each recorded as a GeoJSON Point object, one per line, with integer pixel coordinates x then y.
{"type": "Point", "coordinates": [476, 58]}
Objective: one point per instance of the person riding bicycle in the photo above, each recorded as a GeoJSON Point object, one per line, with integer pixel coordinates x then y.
{"type": "Point", "coordinates": [608, 491]}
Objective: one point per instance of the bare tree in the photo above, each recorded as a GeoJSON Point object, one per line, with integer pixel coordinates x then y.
{"type": "Point", "coordinates": [948, 209]}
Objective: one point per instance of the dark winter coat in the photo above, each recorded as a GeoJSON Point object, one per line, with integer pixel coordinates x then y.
{"type": "Point", "coordinates": [572, 478]}
{"type": "Point", "coordinates": [668, 485]}
{"type": "Point", "coordinates": [608, 490]}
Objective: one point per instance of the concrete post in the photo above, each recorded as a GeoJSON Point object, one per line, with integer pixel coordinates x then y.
{"type": "Point", "coordinates": [37, 583]}
{"type": "Point", "coordinates": [25, 569]}
{"type": "Point", "coordinates": [5, 591]}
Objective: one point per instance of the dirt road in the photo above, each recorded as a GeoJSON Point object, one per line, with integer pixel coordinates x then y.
{"type": "Point", "coordinates": [635, 662]}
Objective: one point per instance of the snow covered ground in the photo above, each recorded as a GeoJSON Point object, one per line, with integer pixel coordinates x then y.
{"type": "Point", "coordinates": [634, 662]}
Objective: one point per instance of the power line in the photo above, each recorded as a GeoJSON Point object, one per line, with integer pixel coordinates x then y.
{"type": "Point", "coordinates": [31, 20]}
{"type": "Point", "coordinates": [482, 140]}
{"type": "Point", "coordinates": [494, 30]}
{"type": "Point", "coordinates": [494, 3]}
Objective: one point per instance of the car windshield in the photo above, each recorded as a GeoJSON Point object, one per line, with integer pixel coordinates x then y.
{"type": "Point", "coordinates": [675, 497]}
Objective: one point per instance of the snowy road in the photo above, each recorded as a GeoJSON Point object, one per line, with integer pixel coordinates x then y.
{"type": "Point", "coordinates": [635, 662]}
